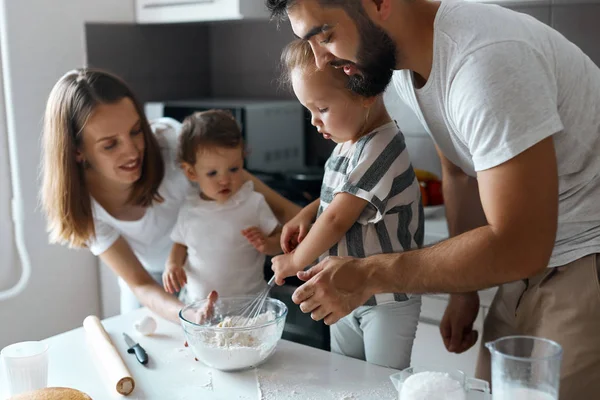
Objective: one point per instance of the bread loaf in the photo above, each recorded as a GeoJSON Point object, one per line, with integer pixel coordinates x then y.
{"type": "Point", "coordinates": [52, 393]}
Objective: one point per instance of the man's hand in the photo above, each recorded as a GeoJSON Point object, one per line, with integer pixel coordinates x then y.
{"type": "Point", "coordinates": [334, 288]}
{"type": "Point", "coordinates": [457, 324]}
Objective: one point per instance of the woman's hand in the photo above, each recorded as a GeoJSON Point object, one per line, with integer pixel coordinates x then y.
{"type": "Point", "coordinates": [206, 313]}
{"type": "Point", "coordinates": [174, 278]}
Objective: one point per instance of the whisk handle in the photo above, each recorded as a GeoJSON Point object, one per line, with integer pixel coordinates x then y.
{"type": "Point", "coordinates": [271, 282]}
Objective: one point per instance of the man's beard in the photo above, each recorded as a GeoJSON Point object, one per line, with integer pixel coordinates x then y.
{"type": "Point", "coordinates": [376, 61]}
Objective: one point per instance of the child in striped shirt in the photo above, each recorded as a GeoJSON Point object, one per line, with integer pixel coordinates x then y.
{"type": "Point", "coordinates": [370, 204]}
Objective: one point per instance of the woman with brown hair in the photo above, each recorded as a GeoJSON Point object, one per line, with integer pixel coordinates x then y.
{"type": "Point", "coordinates": [111, 183]}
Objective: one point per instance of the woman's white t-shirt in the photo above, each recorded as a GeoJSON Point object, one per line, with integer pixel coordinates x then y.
{"type": "Point", "coordinates": [148, 237]}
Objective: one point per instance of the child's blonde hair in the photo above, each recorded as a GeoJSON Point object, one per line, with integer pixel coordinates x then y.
{"type": "Point", "coordinates": [299, 55]}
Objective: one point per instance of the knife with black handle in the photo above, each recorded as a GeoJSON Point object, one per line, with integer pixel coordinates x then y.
{"type": "Point", "coordinates": [134, 347]}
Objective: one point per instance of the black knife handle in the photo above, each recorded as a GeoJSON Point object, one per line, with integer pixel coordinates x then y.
{"type": "Point", "coordinates": [140, 353]}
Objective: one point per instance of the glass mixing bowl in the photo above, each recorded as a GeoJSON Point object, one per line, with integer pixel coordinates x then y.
{"type": "Point", "coordinates": [233, 348]}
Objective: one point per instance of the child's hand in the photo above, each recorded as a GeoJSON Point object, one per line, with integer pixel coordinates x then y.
{"type": "Point", "coordinates": [295, 231]}
{"type": "Point", "coordinates": [284, 266]}
{"type": "Point", "coordinates": [256, 238]}
{"type": "Point", "coordinates": [174, 278]}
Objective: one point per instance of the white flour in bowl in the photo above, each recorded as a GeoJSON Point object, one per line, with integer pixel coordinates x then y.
{"type": "Point", "coordinates": [231, 358]}
{"type": "Point", "coordinates": [432, 386]}
{"type": "Point", "coordinates": [232, 350]}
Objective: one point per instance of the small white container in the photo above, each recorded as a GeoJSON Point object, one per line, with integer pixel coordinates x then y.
{"type": "Point", "coordinates": [467, 388]}
{"type": "Point", "coordinates": [25, 366]}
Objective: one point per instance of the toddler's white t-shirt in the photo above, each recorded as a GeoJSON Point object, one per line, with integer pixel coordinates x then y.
{"type": "Point", "coordinates": [219, 257]}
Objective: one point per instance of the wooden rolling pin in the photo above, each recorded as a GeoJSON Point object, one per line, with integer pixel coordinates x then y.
{"type": "Point", "coordinates": [107, 356]}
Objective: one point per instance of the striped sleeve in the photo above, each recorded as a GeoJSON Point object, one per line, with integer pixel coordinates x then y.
{"type": "Point", "coordinates": [378, 170]}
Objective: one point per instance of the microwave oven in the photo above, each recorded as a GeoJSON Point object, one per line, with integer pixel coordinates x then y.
{"type": "Point", "coordinates": [273, 131]}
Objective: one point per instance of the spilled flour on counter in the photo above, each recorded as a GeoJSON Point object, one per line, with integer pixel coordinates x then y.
{"type": "Point", "coordinates": [347, 396]}
{"type": "Point", "coordinates": [432, 386]}
{"type": "Point", "coordinates": [258, 386]}
{"type": "Point", "coordinates": [209, 385]}
{"type": "Point", "coordinates": [277, 380]}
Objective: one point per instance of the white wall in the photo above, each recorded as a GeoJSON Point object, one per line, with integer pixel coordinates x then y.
{"type": "Point", "coordinates": [110, 304]}
{"type": "Point", "coordinates": [41, 40]}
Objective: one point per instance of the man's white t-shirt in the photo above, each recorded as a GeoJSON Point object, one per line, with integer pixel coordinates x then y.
{"type": "Point", "coordinates": [501, 82]}
{"type": "Point", "coordinates": [219, 256]}
{"type": "Point", "coordinates": [148, 237]}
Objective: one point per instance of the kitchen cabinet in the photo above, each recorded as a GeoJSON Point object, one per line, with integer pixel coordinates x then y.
{"type": "Point", "coordinates": [172, 11]}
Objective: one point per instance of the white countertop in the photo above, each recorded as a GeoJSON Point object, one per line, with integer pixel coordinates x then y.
{"type": "Point", "coordinates": [293, 372]}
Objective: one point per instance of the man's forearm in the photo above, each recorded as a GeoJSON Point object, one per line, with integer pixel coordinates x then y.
{"type": "Point", "coordinates": [475, 260]}
{"type": "Point", "coordinates": [428, 270]}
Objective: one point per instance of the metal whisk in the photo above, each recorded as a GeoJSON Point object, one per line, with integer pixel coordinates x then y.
{"type": "Point", "coordinates": [248, 313]}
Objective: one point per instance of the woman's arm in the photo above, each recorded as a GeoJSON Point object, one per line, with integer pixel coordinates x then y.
{"type": "Point", "coordinates": [283, 208]}
{"type": "Point", "coordinates": [120, 258]}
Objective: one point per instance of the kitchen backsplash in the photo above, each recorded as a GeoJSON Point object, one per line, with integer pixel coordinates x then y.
{"type": "Point", "coordinates": [241, 59]}
{"type": "Point", "coordinates": [245, 58]}
{"type": "Point", "coordinates": [158, 61]}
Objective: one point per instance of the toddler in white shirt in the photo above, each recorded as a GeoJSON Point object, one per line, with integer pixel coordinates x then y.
{"type": "Point", "coordinates": [224, 230]}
